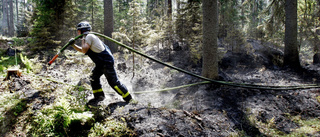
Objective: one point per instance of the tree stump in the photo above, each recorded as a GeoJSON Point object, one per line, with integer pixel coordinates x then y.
{"type": "Point", "coordinates": [13, 72]}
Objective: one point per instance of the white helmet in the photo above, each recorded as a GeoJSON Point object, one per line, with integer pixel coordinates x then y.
{"type": "Point", "coordinates": [84, 26]}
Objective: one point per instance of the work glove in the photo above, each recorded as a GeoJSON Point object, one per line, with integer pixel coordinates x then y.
{"type": "Point", "coordinates": [72, 41]}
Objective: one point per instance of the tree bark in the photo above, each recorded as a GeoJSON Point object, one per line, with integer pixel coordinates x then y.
{"type": "Point", "coordinates": [24, 6]}
{"type": "Point", "coordinates": [108, 23]}
{"type": "Point", "coordinates": [316, 56]}
{"type": "Point", "coordinates": [210, 35]}
{"type": "Point", "coordinates": [10, 21]}
{"type": "Point", "coordinates": [17, 10]}
{"type": "Point", "coordinates": [169, 8]}
{"type": "Point", "coordinates": [92, 18]}
{"type": "Point", "coordinates": [291, 54]}
{"type": "Point", "coordinates": [5, 16]}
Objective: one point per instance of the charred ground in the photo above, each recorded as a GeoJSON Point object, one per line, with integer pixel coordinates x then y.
{"type": "Point", "coordinates": [205, 110]}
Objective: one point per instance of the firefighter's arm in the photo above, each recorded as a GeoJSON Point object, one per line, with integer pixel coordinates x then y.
{"type": "Point", "coordinates": [84, 48]}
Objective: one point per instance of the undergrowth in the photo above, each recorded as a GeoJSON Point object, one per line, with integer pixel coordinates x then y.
{"type": "Point", "coordinates": [306, 126]}
{"type": "Point", "coordinates": [7, 62]}
{"type": "Point", "coordinates": [111, 128]}
{"type": "Point", "coordinates": [54, 120]}
{"type": "Point", "coordinates": [7, 101]}
{"type": "Point", "coordinates": [10, 108]}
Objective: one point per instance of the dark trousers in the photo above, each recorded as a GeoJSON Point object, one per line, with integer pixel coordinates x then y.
{"type": "Point", "coordinates": [111, 75]}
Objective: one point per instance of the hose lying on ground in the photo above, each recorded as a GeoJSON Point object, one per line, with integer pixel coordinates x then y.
{"type": "Point", "coordinates": [243, 85]}
{"type": "Point", "coordinates": [206, 80]}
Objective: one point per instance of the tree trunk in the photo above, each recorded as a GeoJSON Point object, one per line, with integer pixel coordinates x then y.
{"type": "Point", "coordinates": [17, 10]}
{"type": "Point", "coordinates": [5, 16]}
{"type": "Point", "coordinates": [242, 14]}
{"type": "Point", "coordinates": [11, 22]}
{"type": "Point", "coordinates": [316, 56]}
{"type": "Point", "coordinates": [254, 20]}
{"type": "Point", "coordinates": [169, 28]}
{"type": "Point", "coordinates": [316, 42]}
{"type": "Point", "coordinates": [108, 23]}
{"type": "Point", "coordinates": [210, 35]}
{"type": "Point", "coordinates": [133, 42]}
{"type": "Point", "coordinates": [291, 54]}
{"type": "Point", "coordinates": [24, 6]}
{"type": "Point", "coordinates": [179, 22]}
{"type": "Point", "coordinates": [169, 8]}
{"type": "Point", "coordinates": [92, 19]}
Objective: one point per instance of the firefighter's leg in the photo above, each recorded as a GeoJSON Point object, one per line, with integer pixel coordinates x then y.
{"type": "Point", "coordinates": [114, 82]}
{"type": "Point", "coordinates": [95, 83]}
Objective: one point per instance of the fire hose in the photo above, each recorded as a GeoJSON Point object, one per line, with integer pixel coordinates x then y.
{"type": "Point", "coordinates": [62, 49]}
{"type": "Point", "coordinates": [206, 80]}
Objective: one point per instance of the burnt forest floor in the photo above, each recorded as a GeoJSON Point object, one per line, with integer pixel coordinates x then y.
{"type": "Point", "coordinates": [50, 100]}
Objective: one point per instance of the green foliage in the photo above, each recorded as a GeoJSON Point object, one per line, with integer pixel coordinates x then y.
{"type": "Point", "coordinates": [18, 41]}
{"type": "Point", "coordinates": [306, 126]}
{"type": "Point", "coordinates": [7, 62]}
{"type": "Point", "coordinates": [27, 63]}
{"type": "Point", "coordinates": [19, 108]}
{"type": "Point", "coordinates": [189, 28]}
{"type": "Point", "coordinates": [11, 108]}
{"type": "Point", "coordinates": [120, 11]}
{"type": "Point", "coordinates": [24, 23]}
{"type": "Point", "coordinates": [196, 44]}
{"type": "Point", "coordinates": [139, 26]}
{"type": "Point", "coordinates": [111, 128]}
{"type": "Point", "coordinates": [269, 128]}
{"type": "Point", "coordinates": [48, 23]}
{"type": "Point", "coordinates": [139, 31]}
{"type": "Point", "coordinates": [98, 14]}
{"type": "Point", "coordinates": [308, 22]}
{"type": "Point", "coordinates": [228, 17]}
{"type": "Point", "coordinates": [9, 101]}
{"type": "Point", "coordinates": [189, 17]}
{"type": "Point", "coordinates": [235, 41]}
{"type": "Point", "coordinates": [55, 120]}
{"type": "Point", "coordinates": [274, 23]}
{"type": "Point", "coordinates": [251, 9]}
{"type": "Point", "coordinates": [52, 121]}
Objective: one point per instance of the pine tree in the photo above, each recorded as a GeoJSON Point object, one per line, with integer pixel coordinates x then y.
{"type": "Point", "coordinates": [48, 22]}
{"type": "Point", "coordinates": [274, 24]}
{"type": "Point", "coordinates": [108, 23]}
{"type": "Point", "coordinates": [291, 54]}
{"type": "Point", "coordinates": [210, 35]}
{"type": "Point", "coordinates": [189, 28]}
{"type": "Point", "coordinates": [4, 17]}
{"type": "Point", "coordinates": [24, 20]}
{"type": "Point", "coordinates": [308, 22]}
{"type": "Point", "coordinates": [10, 19]}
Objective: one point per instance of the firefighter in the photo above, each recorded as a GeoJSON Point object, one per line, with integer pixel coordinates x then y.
{"type": "Point", "coordinates": [101, 55]}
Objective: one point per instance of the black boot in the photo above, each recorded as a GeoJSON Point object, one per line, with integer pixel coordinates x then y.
{"type": "Point", "coordinates": [99, 96]}
{"type": "Point", "coordinates": [128, 98]}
